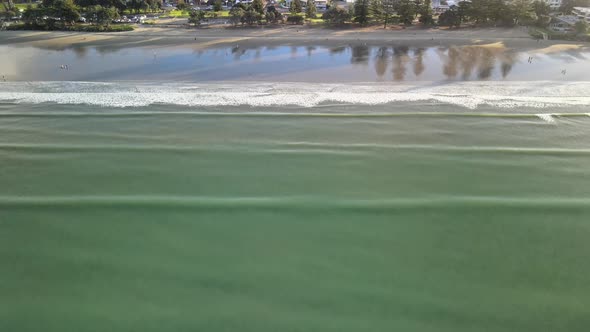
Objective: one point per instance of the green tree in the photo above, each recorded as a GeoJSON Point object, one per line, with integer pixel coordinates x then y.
{"type": "Point", "coordinates": [217, 6]}
{"type": "Point", "coordinates": [478, 11]}
{"type": "Point", "coordinates": [66, 11]}
{"type": "Point", "coordinates": [450, 18]}
{"type": "Point", "coordinates": [383, 10]}
{"type": "Point", "coordinates": [181, 5]}
{"type": "Point", "coordinates": [155, 5]}
{"type": "Point", "coordinates": [542, 10]}
{"type": "Point", "coordinates": [463, 10]}
{"type": "Point", "coordinates": [310, 10]}
{"type": "Point", "coordinates": [235, 15]}
{"type": "Point", "coordinates": [48, 3]}
{"type": "Point", "coordinates": [492, 12]}
{"type": "Point", "coordinates": [258, 6]}
{"type": "Point", "coordinates": [9, 11]}
{"type": "Point", "coordinates": [406, 9]}
{"type": "Point", "coordinates": [523, 11]}
{"type": "Point", "coordinates": [103, 15]}
{"type": "Point", "coordinates": [251, 16]}
{"type": "Point", "coordinates": [502, 13]}
{"type": "Point", "coordinates": [425, 11]}
{"type": "Point", "coordinates": [34, 16]}
{"type": "Point", "coordinates": [336, 15]}
{"type": "Point", "coordinates": [361, 11]}
{"type": "Point", "coordinates": [541, 7]}
{"type": "Point", "coordinates": [295, 7]}
{"type": "Point", "coordinates": [196, 17]}
{"type": "Point", "coordinates": [145, 6]}
{"type": "Point", "coordinates": [8, 6]}
{"type": "Point", "coordinates": [139, 5]}
{"type": "Point", "coordinates": [272, 15]}
{"type": "Point", "coordinates": [581, 27]}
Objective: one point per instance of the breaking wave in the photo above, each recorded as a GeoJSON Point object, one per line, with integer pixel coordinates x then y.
{"type": "Point", "coordinates": [470, 95]}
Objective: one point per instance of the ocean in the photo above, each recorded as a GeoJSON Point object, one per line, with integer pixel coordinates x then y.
{"type": "Point", "coordinates": [134, 203]}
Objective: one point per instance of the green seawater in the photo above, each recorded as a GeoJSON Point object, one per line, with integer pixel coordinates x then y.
{"type": "Point", "coordinates": [169, 218]}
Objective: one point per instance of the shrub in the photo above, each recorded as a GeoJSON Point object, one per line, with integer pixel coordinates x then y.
{"type": "Point", "coordinates": [235, 15]}
{"type": "Point", "coordinates": [196, 16]}
{"type": "Point", "coordinates": [217, 6]}
{"type": "Point", "coordinates": [336, 15]}
{"type": "Point", "coordinates": [295, 19]}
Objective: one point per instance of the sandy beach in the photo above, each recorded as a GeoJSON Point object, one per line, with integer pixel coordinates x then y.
{"type": "Point", "coordinates": [204, 38]}
{"type": "Point", "coordinates": [289, 53]}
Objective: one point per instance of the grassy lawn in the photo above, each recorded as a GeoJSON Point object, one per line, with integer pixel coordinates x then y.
{"type": "Point", "coordinates": [24, 6]}
{"type": "Point", "coordinates": [223, 13]}
{"type": "Point", "coordinates": [210, 14]}
{"type": "Point", "coordinates": [177, 13]}
{"type": "Point", "coordinates": [316, 20]}
{"type": "Point", "coordinates": [19, 6]}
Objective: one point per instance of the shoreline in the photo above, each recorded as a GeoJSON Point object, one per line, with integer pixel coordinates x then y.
{"type": "Point", "coordinates": [276, 36]}
{"type": "Point", "coordinates": [289, 55]}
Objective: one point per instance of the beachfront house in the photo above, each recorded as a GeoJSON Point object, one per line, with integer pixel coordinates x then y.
{"type": "Point", "coordinates": [440, 6]}
{"type": "Point", "coordinates": [582, 13]}
{"type": "Point", "coordinates": [564, 23]}
{"type": "Point", "coordinates": [554, 4]}
{"type": "Point", "coordinates": [319, 4]}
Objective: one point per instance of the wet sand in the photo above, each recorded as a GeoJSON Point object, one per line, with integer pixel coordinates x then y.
{"type": "Point", "coordinates": [294, 54]}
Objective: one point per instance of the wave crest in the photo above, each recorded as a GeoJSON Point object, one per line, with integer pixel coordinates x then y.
{"type": "Point", "coordinates": [470, 95]}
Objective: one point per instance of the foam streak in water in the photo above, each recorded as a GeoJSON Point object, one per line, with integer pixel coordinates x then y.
{"type": "Point", "coordinates": [291, 202]}
{"type": "Point", "coordinates": [546, 117]}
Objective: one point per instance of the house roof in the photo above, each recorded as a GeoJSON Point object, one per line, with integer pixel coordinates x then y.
{"type": "Point", "coordinates": [568, 19]}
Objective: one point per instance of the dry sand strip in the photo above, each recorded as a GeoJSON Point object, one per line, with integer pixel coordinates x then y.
{"type": "Point", "coordinates": [285, 35]}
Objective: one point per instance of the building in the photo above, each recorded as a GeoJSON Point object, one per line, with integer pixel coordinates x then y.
{"type": "Point", "coordinates": [554, 4]}
{"type": "Point", "coordinates": [582, 13]}
{"type": "Point", "coordinates": [563, 23]}
{"type": "Point", "coordinates": [319, 4]}
{"type": "Point", "coordinates": [438, 7]}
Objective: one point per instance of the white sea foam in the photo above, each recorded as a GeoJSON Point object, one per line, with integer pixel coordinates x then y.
{"type": "Point", "coordinates": [546, 117]}
{"type": "Point", "coordinates": [466, 94]}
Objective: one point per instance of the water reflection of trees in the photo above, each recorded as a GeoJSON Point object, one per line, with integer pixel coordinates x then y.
{"type": "Point", "coordinates": [381, 61]}
{"type": "Point", "coordinates": [337, 50]}
{"type": "Point", "coordinates": [457, 62]}
{"type": "Point", "coordinates": [360, 54]}
{"type": "Point", "coordinates": [400, 61]}
{"type": "Point", "coordinates": [80, 51]}
{"type": "Point", "coordinates": [479, 59]}
{"type": "Point", "coordinates": [419, 61]}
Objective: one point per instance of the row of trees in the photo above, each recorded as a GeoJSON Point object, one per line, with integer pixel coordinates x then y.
{"type": "Point", "coordinates": [9, 10]}
{"type": "Point", "coordinates": [385, 10]}
{"type": "Point", "coordinates": [482, 12]}
{"type": "Point", "coordinates": [52, 14]}
{"type": "Point", "coordinates": [257, 13]}
{"type": "Point", "coordinates": [497, 12]}
{"type": "Point", "coordinates": [296, 7]}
